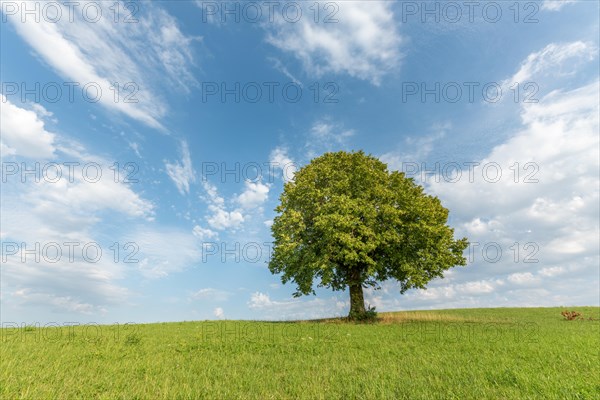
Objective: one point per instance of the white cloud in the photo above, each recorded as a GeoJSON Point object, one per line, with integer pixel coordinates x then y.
{"type": "Point", "coordinates": [278, 65]}
{"type": "Point", "coordinates": [182, 173]}
{"type": "Point", "coordinates": [555, 215]}
{"type": "Point", "coordinates": [219, 313]}
{"type": "Point", "coordinates": [545, 218]}
{"type": "Point", "coordinates": [213, 194]}
{"type": "Point", "coordinates": [74, 208]}
{"type": "Point", "coordinates": [441, 292]}
{"type": "Point", "coordinates": [259, 300]}
{"type": "Point", "coordinates": [23, 131]}
{"type": "Point", "coordinates": [524, 278]}
{"type": "Point", "coordinates": [363, 43]}
{"type": "Point", "coordinates": [136, 148]}
{"type": "Point", "coordinates": [420, 147]}
{"type": "Point", "coordinates": [144, 54]}
{"type": "Point", "coordinates": [78, 286]}
{"type": "Point", "coordinates": [56, 303]}
{"type": "Point", "coordinates": [67, 208]}
{"type": "Point", "coordinates": [164, 250]}
{"type": "Point", "coordinates": [280, 160]}
{"type": "Point", "coordinates": [555, 5]}
{"type": "Point", "coordinates": [330, 133]}
{"type": "Point", "coordinates": [326, 135]}
{"type": "Point", "coordinates": [220, 218]}
{"type": "Point", "coordinates": [475, 287]}
{"type": "Point", "coordinates": [552, 271]}
{"type": "Point", "coordinates": [204, 233]}
{"type": "Point", "coordinates": [296, 308]}
{"type": "Point", "coordinates": [254, 195]}
{"type": "Point", "coordinates": [552, 61]}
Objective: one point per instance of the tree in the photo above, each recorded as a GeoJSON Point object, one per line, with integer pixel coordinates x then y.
{"type": "Point", "coordinates": [349, 222]}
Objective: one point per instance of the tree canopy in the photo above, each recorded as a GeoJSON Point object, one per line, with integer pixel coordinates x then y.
{"type": "Point", "coordinates": [348, 222]}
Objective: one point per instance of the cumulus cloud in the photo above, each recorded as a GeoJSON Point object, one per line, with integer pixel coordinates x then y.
{"type": "Point", "coordinates": [23, 131]}
{"type": "Point", "coordinates": [549, 211]}
{"type": "Point", "coordinates": [219, 217]}
{"type": "Point", "coordinates": [222, 219]}
{"type": "Point", "coordinates": [540, 213]}
{"type": "Point", "coordinates": [254, 195]}
{"type": "Point", "coordinates": [219, 313]}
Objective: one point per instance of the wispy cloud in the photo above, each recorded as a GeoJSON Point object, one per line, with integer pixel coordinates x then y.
{"type": "Point", "coordinates": [360, 40]}
{"type": "Point", "coordinates": [327, 135]}
{"type": "Point", "coordinates": [555, 59]}
{"type": "Point", "coordinates": [182, 172]}
{"type": "Point", "coordinates": [295, 308]}
{"type": "Point", "coordinates": [417, 148]}
{"type": "Point", "coordinates": [555, 5]}
{"type": "Point", "coordinates": [143, 56]}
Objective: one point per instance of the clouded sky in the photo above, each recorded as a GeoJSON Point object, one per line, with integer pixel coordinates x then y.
{"type": "Point", "coordinates": [145, 145]}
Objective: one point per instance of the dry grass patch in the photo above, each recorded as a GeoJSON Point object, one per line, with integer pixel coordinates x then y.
{"type": "Point", "coordinates": [426, 316]}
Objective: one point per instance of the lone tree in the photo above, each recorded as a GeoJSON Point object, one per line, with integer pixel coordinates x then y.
{"type": "Point", "coordinates": [348, 221]}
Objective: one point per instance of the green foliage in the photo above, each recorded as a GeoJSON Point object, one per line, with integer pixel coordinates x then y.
{"type": "Point", "coordinates": [346, 220]}
{"type": "Point", "coordinates": [370, 315]}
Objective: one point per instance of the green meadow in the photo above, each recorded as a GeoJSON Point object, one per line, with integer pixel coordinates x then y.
{"type": "Point", "coordinates": [502, 353]}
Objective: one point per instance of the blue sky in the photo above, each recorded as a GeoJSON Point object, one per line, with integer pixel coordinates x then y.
{"type": "Point", "coordinates": [201, 115]}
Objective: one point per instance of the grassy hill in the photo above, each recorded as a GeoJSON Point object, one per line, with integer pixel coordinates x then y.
{"type": "Point", "coordinates": [503, 353]}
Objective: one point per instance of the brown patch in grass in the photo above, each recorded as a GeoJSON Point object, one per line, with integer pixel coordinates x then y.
{"type": "Point", "coordinates": [400, 317]}
{"type": "Point", "coordinates": [420, 316]}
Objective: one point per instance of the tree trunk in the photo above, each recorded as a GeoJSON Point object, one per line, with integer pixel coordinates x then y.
{"type": "Point", "coordinates": [357, 300]}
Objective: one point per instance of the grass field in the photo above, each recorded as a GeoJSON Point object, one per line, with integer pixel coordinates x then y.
{"type": "Point", "coordinates": [504, 353]}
